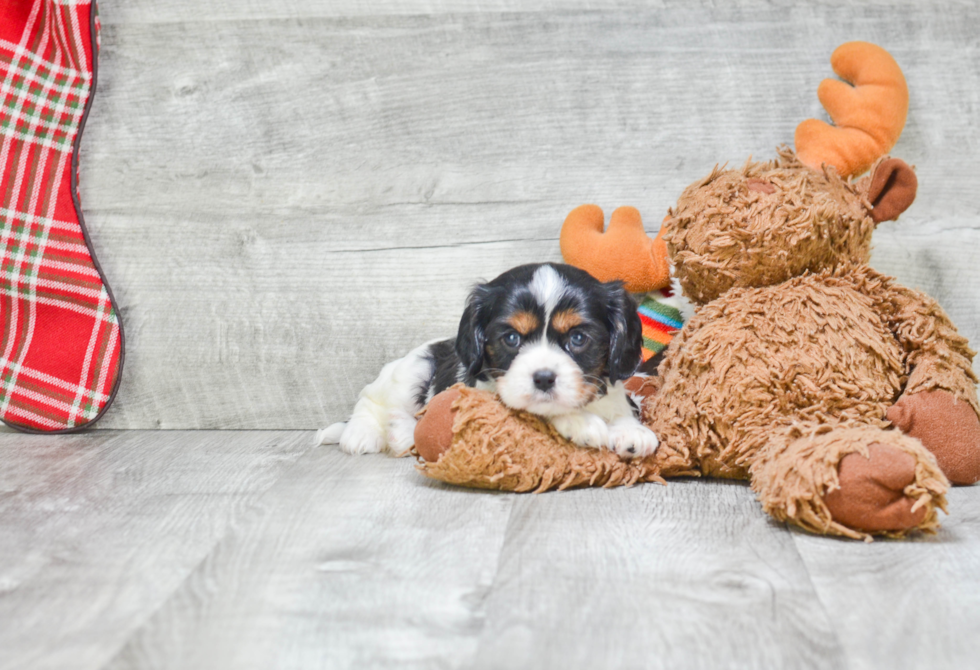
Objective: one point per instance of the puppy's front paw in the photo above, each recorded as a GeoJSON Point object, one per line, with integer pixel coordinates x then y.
{"type": "Point", "coordinates": [632, 439]}
{"type": "Point", "coordinates": [401, 433]}
{"type": "Point", "coordinates": [582, 428]}
{"type": "Point", "coordinates": [361, 438]}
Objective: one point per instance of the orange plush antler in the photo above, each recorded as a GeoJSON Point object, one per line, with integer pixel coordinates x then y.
{"type": "Point", "coordinates": [869, 115]}
{"type": "Point", "coordinates": [623, 252]}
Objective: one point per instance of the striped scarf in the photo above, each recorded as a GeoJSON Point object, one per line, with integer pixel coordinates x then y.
{"type": "Point", "coordinates": [661, 319]}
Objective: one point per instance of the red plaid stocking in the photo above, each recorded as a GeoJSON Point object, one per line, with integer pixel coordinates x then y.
{"type": "Point", "coordinates": [60, 335]}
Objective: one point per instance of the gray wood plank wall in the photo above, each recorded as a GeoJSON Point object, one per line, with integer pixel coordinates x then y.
{"type": "Point", "coordinates": [284, 196]}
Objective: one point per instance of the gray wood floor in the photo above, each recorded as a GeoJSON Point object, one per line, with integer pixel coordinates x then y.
{"type": "Point", "coordinates": [253, 549]}
{"type": "Point", "coordinates": [286, 195]}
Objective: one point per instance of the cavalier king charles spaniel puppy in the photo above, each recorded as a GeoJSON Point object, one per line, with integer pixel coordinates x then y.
{"type": "Point", "coordinates": [549, 339]}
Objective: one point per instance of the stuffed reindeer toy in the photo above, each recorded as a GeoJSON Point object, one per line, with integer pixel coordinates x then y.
{"type": "Point", "coordinates": [846, 399]}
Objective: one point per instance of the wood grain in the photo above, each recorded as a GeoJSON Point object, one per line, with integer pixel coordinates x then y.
{"type": "Point", "coordinates": [351, 562]}
{"type": "Point", "coordinates": [689, 575]}
{"type": "Point", "coordinates": [285, 196]}
{"type": "Point", "coordinates": [98, 530]}
{"type": "Point", "coordinates": [904, 605]}
{"type": "Point", "coordinates": [252, 549]}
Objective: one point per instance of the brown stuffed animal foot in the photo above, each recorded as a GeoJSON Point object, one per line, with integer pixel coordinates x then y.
{"type": "Point", "coordinates": [947, 427]}
{"type": "Point", "coordinates": [434, 431]}
{"type": "Point", "coordinates": [855, 481]}
{"type": "Point", "coordinates": [871, 497]}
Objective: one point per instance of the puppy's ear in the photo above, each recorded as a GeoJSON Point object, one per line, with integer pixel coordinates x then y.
{"type": "Point", "coordinates": [471, 339]}
{"type": "Point", "coordinates": [625, 332]}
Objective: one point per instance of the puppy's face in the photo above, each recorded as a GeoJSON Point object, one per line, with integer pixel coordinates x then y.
{"type": "Point", "coordinates": [551, 336]}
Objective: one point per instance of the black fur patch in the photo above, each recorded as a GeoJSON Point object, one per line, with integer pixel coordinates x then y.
{"type": "Point", "coordinates": [445, 370]}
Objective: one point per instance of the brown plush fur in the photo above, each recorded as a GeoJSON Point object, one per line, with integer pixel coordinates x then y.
{"type": "Point", "coordinates": [757, 360]}
{"type": "Point", "coordinates": [482, 454]}
{"type": "Point", "coordinates": [763, 224]}
{"type": "Point", "coordinates": [796, 353]}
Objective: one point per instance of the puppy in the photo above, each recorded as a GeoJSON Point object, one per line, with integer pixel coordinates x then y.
{"type": "Point", "coordinates": [547, 338]}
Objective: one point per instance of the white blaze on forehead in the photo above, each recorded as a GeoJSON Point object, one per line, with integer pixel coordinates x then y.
{"type": "Point", "coordinates": [547, 287]}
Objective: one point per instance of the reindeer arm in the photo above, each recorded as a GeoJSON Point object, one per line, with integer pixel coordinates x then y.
{"type": "Point", "coordinates": [939, 404]}
{"type": "Point", "coordinates": [937, 356]}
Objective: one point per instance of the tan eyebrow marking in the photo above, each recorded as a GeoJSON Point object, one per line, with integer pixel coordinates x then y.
{"type": "Point", "coordinates": [523, 322]}
{"type": "Point", "coordinates": [565, 320]}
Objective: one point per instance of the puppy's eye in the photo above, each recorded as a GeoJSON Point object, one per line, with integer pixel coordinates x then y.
{"type": "Point", "coordinates": [578, 339]}
{"type": "Point", "coordinates": [511, 339]}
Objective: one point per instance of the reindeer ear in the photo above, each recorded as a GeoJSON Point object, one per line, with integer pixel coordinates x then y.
{"type": "Point", "coordinates": [892, 189]}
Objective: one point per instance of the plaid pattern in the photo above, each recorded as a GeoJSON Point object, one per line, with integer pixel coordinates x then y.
{"type": "Point", "coordinates": [60, 336]}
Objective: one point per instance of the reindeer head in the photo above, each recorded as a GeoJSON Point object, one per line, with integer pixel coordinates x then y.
{"type": "Point", "coordinates": [769, 221]}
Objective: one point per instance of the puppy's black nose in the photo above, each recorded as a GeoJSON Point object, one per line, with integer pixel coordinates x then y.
{"type": "Point", "coordinates": [544, 379]}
